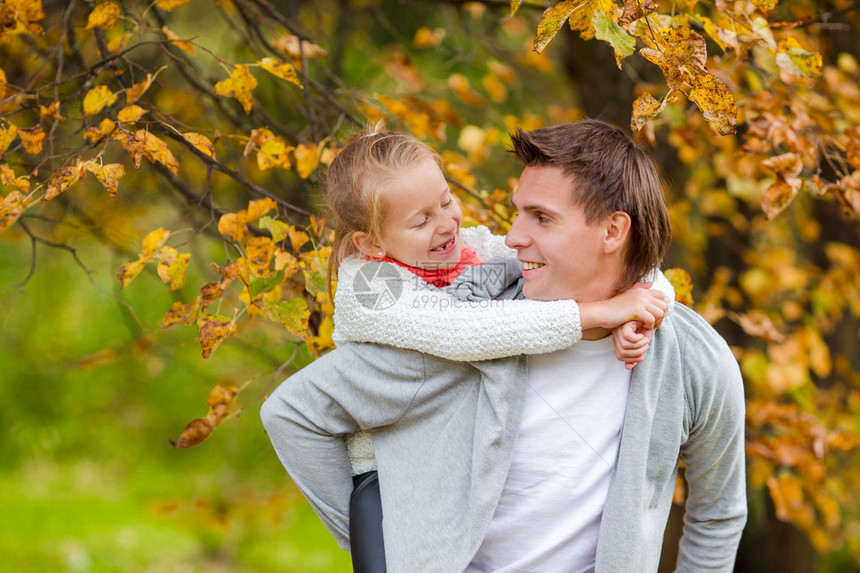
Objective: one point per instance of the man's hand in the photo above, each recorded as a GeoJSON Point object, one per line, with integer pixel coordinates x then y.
{"type": "Point", "coordinates": [640, 304]}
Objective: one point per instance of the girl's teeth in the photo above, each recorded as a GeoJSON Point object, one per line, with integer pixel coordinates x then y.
{"type": "Point", "coordinates": [531, 266]}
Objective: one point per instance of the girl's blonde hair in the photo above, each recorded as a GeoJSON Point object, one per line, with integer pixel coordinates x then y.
{"type": "Point", "coordinates": [357, 181]}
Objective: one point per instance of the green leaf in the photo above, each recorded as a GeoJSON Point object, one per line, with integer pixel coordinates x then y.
{"type": "Point", "coordinates": [278, 229]}
{"type": "Point", "coordinates": [608, 30]}
{"type": "Point", "coordinates": [315, 282]}
{"type": "Point", "coordinates": [293, 314]}
{"type": "Point", "coordinates": [265, 284]}
{"type": "Point", "coordinates": [551, 22]}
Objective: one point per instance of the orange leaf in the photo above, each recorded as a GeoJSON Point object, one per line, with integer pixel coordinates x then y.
{"type": "Point", "coordinates": [32, 139]}
{"type": "Point", "coordinates": [282, 69]}
{"type": "Point", "coordinates": [97, 99]}
{"type": "Point", "coordinates": [211, 292]}
{"type": "Point", "coordinates": [105, 16]}
{"type": "Point", "coordinates": [195, 433]}
{"type": "Point", "coordinates": [214, 329]}
{"type": "Point", "coordinates": [131, 113]}
{"type": "Point", "coordinates": [201, 142]}
{"type": "Point", "coordinates": [107, 175]}
{"type": "Point", "coordinates": [180, 313]}
{"type": "Point", "coordinates": [239, 86]}
{"type": "Point", "coordinates": [427, 38]}
{"type": "Point", "coordinates": [50, 112]}
{"type": "Point", "coordinates": [7, 136]}
{"type": "Point", "coordinates": [297, 238]}
{"type": "Point", "coordinates": [172, 267]}
{"type": "Point", "coordinates": [229, 224]}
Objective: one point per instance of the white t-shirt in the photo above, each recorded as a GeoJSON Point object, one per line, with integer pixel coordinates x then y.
{"type": "Point", "coordinates": [548, 517]}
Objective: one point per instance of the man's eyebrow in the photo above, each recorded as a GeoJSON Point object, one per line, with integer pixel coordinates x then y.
{"type": "Point", "coordinates": [532, 207]}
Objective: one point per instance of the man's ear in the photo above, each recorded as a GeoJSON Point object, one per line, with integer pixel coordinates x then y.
{"type": "Point", "coordinates": [618, 226]}
{"type": "Point", "coordinates": [368, 246]}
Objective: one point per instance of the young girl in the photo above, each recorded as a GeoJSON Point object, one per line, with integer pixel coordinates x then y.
{"type": "Point", "coordinates": [409, 276]}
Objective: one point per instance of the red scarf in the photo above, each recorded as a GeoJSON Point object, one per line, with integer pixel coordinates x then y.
{"type": "Point", "coordinates": [444, 276]}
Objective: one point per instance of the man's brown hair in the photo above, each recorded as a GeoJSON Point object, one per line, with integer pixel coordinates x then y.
{"type": "Point", "coordinates": [610, 173]}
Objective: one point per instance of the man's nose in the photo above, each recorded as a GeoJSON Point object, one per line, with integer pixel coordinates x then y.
{"type": "Point", "coordinates": [516, 239]}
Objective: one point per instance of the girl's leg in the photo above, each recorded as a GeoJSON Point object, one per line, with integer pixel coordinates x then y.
{"type": "Point", "coordinates": [365, 525]}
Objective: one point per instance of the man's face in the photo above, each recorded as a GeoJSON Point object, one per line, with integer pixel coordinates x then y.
{"type": "Point", "coordinates": [563, 256]}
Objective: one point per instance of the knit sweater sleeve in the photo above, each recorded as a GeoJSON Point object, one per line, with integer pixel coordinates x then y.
{"type": "Point", "coordinates": [386, 304]}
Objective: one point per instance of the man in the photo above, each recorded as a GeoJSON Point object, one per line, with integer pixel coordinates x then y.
{"type": "Point", "coordinates": [564, 462]}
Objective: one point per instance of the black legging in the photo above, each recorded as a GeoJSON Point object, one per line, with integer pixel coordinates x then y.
{"type": "Point", "coordinates": [365, 525]}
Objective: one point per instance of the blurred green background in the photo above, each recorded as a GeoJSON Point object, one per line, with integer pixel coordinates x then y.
{"type": "Point", "coordinates": [88, 478]}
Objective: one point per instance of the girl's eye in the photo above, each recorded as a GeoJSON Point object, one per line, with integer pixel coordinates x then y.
{"type": "Point", "coordinates": [422, 223]}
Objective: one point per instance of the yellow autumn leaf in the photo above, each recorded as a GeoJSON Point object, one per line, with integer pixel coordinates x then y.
{"type": "Point", "coordinates": [293, 314]}
{"type": "Point", "coordinates": [214, 329]}
{"type": "Point", "coordinates": [644, 109]}
{"type": "Point", "coordinates": [7, 136]}
{"type": "Point", "coordinates": [497, 90]}
{"type": "Point", "coordinates": [3, 88]}
{"type": "Point", "coordinates": [97, 99]}
{"type": "Point", "coordinates": [96, 134]}
{"type": "Point", "coordinates": [107, 175]}
{"type": "Point", "coordinates": [258, 208]}
{"type": "Point", "coordinates": [13, 206]}
{"type": "Point", "coordinates": [32, 139]}
{"type": "Point", "coordinates": [172, 267]}
{"type": "Point", "coordinates": [62, 180]}
{"type": "Point", "coordinates": [135, 92]}
{"type": "Point", "coordinates": [186, 46]}
{"type": "Point", "coordinates": [8, 178]}
{"type": "Point", "coordinates": [427, 38]}
{"type": "Point", "coordinates": [170, 5]}
{"type": "Point", "coordinates": [131, 113]}
{"type": "Point", "coordinates": [282, 69]}
{"type": "Point", "coordinates": [274, 153]}
{"type": "Point", "coordinates": [201, 143]}
{"type": "Point", "coordinates": [132, 144]}
{"type": "Point", "coordinates": [48, 112]}
{"type": "Point", "coordinates": [181, 313]}
{"type": "Point", "coordinates": [153, 241]}
{"type": "Point", "coordinates": [716, 102]}
{"type": "Point", "coordinates": [239, 86]}
{"type": "Point", "coordinates": [297, 238]}
{"type": "Point", "coordinates": [682, 283]}
{"type": "Point", "coordinates": [552, 20]}
{"type": "Point", "coordinates": [460, 85]}
{"type": "Point", "coordinates": [104, 16]}
{"type": "Point", "coordinates": [128, 272]}
{"type": "Point", "coordinates": [307, 159]}
{"type": "Point", "coordinates": [156, 150]}
{"type": "Point", "coordinates": [259, 252]}
{"type": "Point", "coordinates": [221, 401]}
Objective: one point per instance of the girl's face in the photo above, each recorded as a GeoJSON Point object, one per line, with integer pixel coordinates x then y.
{"type": "Point", "coordinates": [422, 227]}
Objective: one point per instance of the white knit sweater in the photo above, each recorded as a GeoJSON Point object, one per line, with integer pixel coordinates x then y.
{"type": "Point", "coordinates": [418, 316]}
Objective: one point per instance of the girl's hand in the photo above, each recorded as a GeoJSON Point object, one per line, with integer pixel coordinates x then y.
{"type": "Point", "coordinates": [641, 304]}
{"type": "Point", "coordinates": [631, 342]}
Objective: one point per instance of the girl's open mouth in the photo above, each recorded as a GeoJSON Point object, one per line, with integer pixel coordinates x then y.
{"type": "Point", "coordinates": [443, 249]}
